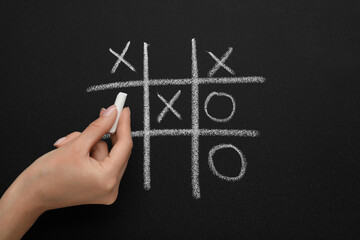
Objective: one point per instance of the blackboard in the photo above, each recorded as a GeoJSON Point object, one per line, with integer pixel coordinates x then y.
{"type": "Point", "coordinates": [294, 67]}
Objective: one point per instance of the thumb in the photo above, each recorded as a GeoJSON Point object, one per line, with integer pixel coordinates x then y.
{"type": "Point", "coordinates": [97, 129]}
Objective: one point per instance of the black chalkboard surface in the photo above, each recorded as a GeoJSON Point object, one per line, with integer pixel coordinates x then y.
{"type": "Point", "coordinates": [244, 113]}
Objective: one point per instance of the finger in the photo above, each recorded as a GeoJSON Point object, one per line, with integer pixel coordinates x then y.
{"type": "Point", "coordinates": [99, 151]}
{"type": "Point", "coordinates": [121, 150]}
{"type": "Point", "coordinates": [97, 129]}
{"type": "Point", "coordinates": [64, 140]}
{"type": "Point", "coordinates": [120, 176]}
{"type": "Point", "coordinates": [114, 136]}
{"type": "Point", "coordinates": [102, 110]}
{"type": "Point", "coordinates": [122, 171]}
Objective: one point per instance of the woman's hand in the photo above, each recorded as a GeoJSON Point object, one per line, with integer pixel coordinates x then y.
{"type": "Point", "coordinates": [80, 171]}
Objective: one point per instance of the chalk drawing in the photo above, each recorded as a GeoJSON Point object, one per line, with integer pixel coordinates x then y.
{"type": "Point", "coordinates": [121, 59]}
{"type": "Point", "coordinates": [169, 106]}
{"type": "Point", "coordinates": [224, 95]}
{"type": "Point", "coordinates": [147, 178]}
{"type": "Point", "coordinates": [221, 63]}
{"type": "Point", "coordinates": [195, 131]}
{"type": "Point", "coordinates": [213, 168]}
{"type": "Point", "coordinates": [195, 122]}
{"type": "Point", "coordinates": [189, 132]}
{"type": "Point", "coordinates": [167, 82]}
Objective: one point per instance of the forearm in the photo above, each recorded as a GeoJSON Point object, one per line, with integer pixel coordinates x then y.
{"type": "Point", "coordinates": [19, 210]}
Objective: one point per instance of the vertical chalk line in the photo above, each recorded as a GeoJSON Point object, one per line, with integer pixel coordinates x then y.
{"type": "Point", "coordinates": [147, 178]}
{"type": "Point", "coordinates": [195, 122]}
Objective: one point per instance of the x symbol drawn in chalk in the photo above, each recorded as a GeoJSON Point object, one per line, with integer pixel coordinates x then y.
{"type": "Point", "coordinates": [169, 106]}
{"type": "Point", "coordinates": [221, 63]}
{"type": "Point", "coordinates": [121, 59]}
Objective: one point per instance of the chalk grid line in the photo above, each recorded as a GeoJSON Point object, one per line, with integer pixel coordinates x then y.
{"type": "Point", "coordinates": [147, 178]}
{"type": "Point", "coordinates": [195, 122]}
{"type": "Point", "coordinates": [194, 132]}
{"type": "Point", "coordinates": [183, 81]}
{"type": "Point", "coordinates": [189, 132]}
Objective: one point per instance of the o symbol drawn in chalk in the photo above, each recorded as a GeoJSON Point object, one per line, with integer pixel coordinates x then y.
{"type": "Point", "coordinates": [223, 95]}
{"type": "Point", "coordinates": [212, 166]}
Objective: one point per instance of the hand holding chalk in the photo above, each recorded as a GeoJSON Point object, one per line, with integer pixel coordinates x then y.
{"type": "Point", "coordinates": [80, 171]}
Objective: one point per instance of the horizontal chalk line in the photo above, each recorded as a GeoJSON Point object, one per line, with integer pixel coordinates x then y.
{"type": "Point", "coordinates": [201, 132]}
{"type": "Point", "coordinates": [185, 81]}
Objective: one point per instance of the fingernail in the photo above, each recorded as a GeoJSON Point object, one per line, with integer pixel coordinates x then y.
{"type": "Point", "coordinates": [129, 110]}
{"type": "Point", "coordinates": [109, 110]}
{"type": "Point", "coordinates": [102, 109]}
{"type": "Point", "coordinates": [59, 140]}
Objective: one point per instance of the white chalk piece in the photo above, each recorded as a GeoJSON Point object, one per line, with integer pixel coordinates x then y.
{"type": "Point", "coordinates": [119, 103]}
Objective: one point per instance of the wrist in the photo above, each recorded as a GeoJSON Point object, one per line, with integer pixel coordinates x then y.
{"type": "Point", "coordinates": [22, 198]}
{"type": "Point", "coordinates": [26, 189]}
{"type": "Point", "coordinates": [19, 209]}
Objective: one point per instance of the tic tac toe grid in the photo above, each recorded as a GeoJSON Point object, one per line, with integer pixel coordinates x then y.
{"type": "Point", "coordinates": [195, 131]}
